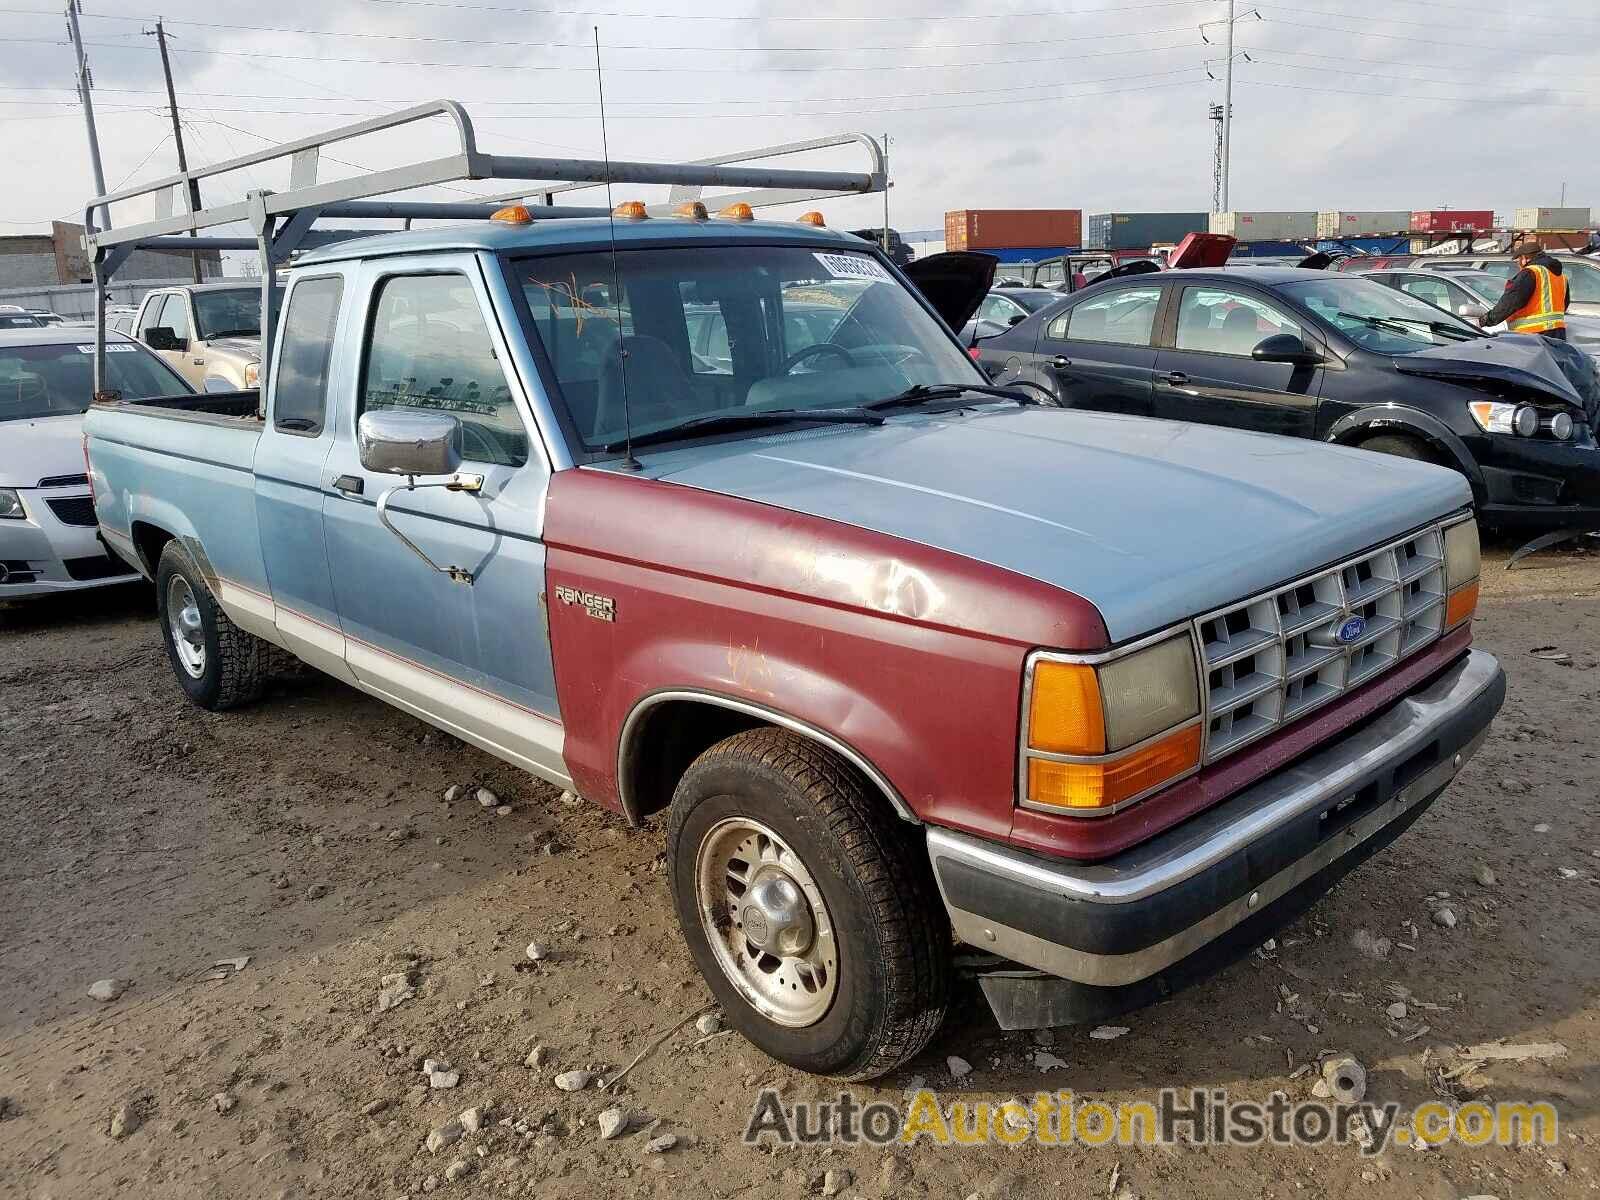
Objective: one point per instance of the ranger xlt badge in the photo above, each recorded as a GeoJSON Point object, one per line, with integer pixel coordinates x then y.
{"type": "Point", "coordinates": [601, 608]}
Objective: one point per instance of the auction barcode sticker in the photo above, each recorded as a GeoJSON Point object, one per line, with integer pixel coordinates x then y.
{"type": "Point", "coordinates": [111, 348]}
{"type": "Point", "coordinates": [852, 266]}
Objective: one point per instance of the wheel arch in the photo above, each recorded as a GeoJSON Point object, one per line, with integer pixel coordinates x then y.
{"type": "Point", "coordinates": [1356, 427]}
{"type": "Point", "coordinates": [667, 730]}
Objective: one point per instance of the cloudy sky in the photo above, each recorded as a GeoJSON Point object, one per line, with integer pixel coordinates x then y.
{"type": "Point", "coordinates": [1024, 103]}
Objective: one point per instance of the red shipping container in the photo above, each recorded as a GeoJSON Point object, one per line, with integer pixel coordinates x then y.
{"type": "Point", "coordinates": [1011, 228]}
{"type": "Point", "coordinates": [1452, 220]}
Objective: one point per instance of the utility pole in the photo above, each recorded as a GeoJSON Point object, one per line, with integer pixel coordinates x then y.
{"type": "Point", "coordinates": [85, 84]}
{"type": "Point", "coordinates": [160, 34]}
{"type": "Point", "coordinates": [1231, 20]}
{"type": "Point", "coordinates": [1216, 160]}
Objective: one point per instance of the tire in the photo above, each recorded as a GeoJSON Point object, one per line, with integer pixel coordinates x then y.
{"type": "Point", "coordinates": [218, 665]}
{"type": "Point", "coordinates": [1401, 447]}
{"type": "Point", "coordinates": [869, 989]}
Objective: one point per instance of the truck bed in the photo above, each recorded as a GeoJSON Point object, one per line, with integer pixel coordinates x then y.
{"type": "Point", "coordinates": [207, 407]}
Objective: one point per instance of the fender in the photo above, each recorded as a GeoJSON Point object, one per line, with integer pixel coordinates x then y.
{"type": "Point", "coordinates": [1398, 418]}
{"type": "Point", "coordinates": [627, 747]}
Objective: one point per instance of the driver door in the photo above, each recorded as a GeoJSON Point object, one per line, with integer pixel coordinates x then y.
{"type": "Point", "coordinates": [473, 657]}
{"type": "Point", "coordinates": [1204, 372]}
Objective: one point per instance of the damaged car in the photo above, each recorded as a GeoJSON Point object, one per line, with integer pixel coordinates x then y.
{"type": "Point", "coordinates": [1331, 356]}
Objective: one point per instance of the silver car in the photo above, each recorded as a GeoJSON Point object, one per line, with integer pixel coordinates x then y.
{"type": "Point", "coordinates": [48, 532]}
{"type": "Point", "coordinates": [1582, 274]}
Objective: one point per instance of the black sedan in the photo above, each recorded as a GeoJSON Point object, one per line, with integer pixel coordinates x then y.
{"type": "Point", "coordinates": [1329, 356]}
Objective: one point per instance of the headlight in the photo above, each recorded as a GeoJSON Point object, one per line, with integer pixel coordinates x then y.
{"type": "Point", "coordinates": [1461, 567]}
{"type": "Point", "coordinates": [252, 375]}
{"type": "Point", "coordinates": [1524, 420]}
{"type": "Point", "coordinates": [1099, 735]}
{"type": "Point", "coordinates": [11, 506]}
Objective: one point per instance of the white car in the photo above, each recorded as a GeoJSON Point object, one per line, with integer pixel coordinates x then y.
{"type": "Point", "coordinates": [48, 532]}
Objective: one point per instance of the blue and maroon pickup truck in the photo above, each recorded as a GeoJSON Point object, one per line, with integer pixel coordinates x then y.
{"type": "Point", "coordinates": [716, 517]}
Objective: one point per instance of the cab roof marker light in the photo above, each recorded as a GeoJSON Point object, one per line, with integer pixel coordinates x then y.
{"type": "Point", "coordinates": [512, 214]}
{"type": "Point", "coordinates": [739, 211]}
{"type": "Point", "coordinates": [691, 210]}
{"type": "Point", "coordinates": [631, 210]}
{"type": "Point", "coordinates": [812, 218]}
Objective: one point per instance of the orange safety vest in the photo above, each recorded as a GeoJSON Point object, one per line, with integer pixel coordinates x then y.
{"type": "Point", "coordinates": [1546, 309]}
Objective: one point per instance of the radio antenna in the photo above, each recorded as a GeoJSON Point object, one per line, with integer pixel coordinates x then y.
{"type": "Point", "coordinates": [616, 271]}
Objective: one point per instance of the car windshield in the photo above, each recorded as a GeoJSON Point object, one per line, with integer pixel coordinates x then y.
{"type": "Point", "coordinates": [235, 312]}
{"type": "Point", "coordinates": [1482, 285]}
{"type": "Point", "coordinates": [1353, 305]}
{"type": "Point", "coordinates": [735, 331]}
{"type": "Point", "coordinates": [18, 321]}
{"type": "Point", "coordinates": [1033, 300]}
{"type": "Point", "coordinates": [52, 381]}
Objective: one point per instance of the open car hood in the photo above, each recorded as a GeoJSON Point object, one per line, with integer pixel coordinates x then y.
{"type": "Point", "coordinates": [1201, 250]}
{"type": "Point", "coordinates": [1521, 360]}
{"type": "Point", "coordinates": [955, 283]}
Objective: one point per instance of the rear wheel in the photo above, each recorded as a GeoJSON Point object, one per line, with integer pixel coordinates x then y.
{"type": "Point", "coordinates": [807, 908]}
{"type": "Point", "coordinates": [218, 665]}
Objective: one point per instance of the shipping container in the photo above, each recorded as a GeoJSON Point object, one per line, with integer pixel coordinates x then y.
{"type": "Point", "coordinates": [1008, 228]}
{"type": "Point", "coordinates": [1362, 224]}
{"type": "Point", "coordinates": [1451, 220]}
{"type": "Point", "coordinates": [1265, 226]}
{"type": "Point", "coordinates": [1139, 231]}
{"type": "Point", "coordinates": [1550, 218]}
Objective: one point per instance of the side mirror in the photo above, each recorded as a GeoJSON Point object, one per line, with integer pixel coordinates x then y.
{"type": "Point", "coordinates": [161, 337]}
{"type": "Point", "coordinates": [1285, 348]}
{"type": "Point", "coordinates": [1472, 312]}
{"type": "Point", "coordinates": [1017, 319]}
{"type": "Point", "coordinates": [398, 441]}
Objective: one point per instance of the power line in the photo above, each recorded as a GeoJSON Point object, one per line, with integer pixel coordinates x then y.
{"type": "Point", "coordinates": [1498, 102]}
{"type": "Point", "coordinates": [1257, 58]}
{"type": "Point", "coordinates": [1345, 16]}
{"type": "Point", "coordinates": [1400, 37]}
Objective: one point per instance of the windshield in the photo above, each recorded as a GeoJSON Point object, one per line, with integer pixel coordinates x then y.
{"type": "Point", "coordinates": [1350, 303]}
{"type": "Point", "coordinates": [52, 381]}
{"type": "Point", "coordinates": [18, 321]}
{"type": "Point", "coordinates": [232, 313]}
{"type": "Point", "coordinates": [1033, 301]}
{"type": "Point", "coordinates": [1483, 286]}
{"type": "Point", "coordinates": [727, 330]}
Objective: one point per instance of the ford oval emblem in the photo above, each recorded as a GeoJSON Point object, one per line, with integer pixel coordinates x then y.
{"type": "Point", "coordinates": [1350, 630]}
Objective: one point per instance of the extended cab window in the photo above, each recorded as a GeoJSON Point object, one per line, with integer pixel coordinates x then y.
{"type": "Point", "coordinates": [1222, 321]}
{"type": "Point", "coordinates": [300, 392]}
{"type": "Point", "coordinates": [1125, 317]}
{"type": "Point", "coordinates": [429, 348]}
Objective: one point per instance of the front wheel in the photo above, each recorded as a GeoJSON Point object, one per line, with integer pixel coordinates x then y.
{"type": "Point", "coordinates": [806, 906]}
{"type": "Point", "coordinates": [218, 665]}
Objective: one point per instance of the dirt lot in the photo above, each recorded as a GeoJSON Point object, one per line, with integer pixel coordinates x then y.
{"type": "Point", "coordinates": [144, 840]}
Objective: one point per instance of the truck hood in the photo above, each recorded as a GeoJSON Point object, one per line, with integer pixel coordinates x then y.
{"type": "Point", "coordinates": [1151, 521]}
{"type": "Point", "coordinates": [1521, 360]}
{"type": "Point", "coordinates": [245, 349]}
{"type": "Point", "coordinates": [39, 448]}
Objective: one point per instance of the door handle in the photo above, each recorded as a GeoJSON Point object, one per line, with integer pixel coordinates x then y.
{"type": "Point", "coordinates": [199, 362]}
{"type": "Point", "coordinates": [1061, 362]}
{"type": "Point", "coordinates": [350, 485]}
{"type": "Point", "coordinates": [1177, 378]}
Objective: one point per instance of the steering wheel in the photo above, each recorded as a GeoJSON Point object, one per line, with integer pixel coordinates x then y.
{"type": "Point", "coordinates": [811, 351]}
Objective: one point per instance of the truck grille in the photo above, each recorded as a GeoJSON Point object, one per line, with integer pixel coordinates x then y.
{"type": "Point", "coordinates": [1273, 659]}
{"type": "Point", "coordinates": [73, 510]}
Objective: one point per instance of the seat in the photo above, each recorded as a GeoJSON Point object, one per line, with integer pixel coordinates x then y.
{"type": "Point", "coordinates": [1240, 330]}
{"type": "Point", "coordinates": [648, 377]}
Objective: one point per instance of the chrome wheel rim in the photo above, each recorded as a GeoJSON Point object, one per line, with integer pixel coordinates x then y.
{"type": "Point", "coordinates": [184, 627]}
{"type": "Point", "coordinates": [766, 922]}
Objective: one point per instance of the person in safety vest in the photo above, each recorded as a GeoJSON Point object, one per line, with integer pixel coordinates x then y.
{"type": "Point", "coordinates": [1535, 300]}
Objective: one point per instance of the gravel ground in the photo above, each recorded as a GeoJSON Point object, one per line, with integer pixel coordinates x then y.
{"type": "Point", "coordinates": [145, 841]}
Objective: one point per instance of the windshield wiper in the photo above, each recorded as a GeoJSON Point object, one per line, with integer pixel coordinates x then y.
{"type": "Point", "coordinates": [222, 333]}
{"type": "Point", "coordinates": [1405, 325]}
{"type": "Point", "coordinates": [921, 393]}
{"type": "Point", "coordinates": [707, 422]}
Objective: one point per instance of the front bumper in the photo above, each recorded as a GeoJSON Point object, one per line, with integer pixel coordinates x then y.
{"type": "Point", "coordinates": [43, 554]}
{"type": "Point", "coordinates": [1536, 481]}
{"type": "Point", "coordinates": [1110, 936]}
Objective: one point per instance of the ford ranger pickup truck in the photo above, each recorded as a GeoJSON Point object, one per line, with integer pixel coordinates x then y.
{"type": "Point", "coordinates": [907, 661]}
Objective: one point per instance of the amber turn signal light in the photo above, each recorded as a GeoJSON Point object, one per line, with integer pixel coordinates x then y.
{"type": "Point", "coordinates": [1462, 604]}
{"type": "Point", "coordinates": [1065, 716]}
{"type": "Point", "coordinates": [1104, 785]}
